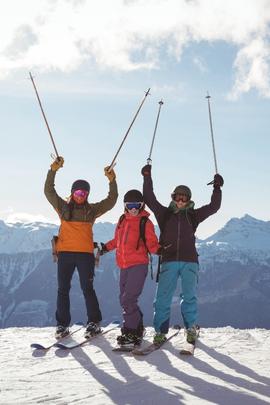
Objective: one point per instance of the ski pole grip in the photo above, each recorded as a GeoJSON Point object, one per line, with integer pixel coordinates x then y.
{"type": "Point", "coordinates": [111, 167]}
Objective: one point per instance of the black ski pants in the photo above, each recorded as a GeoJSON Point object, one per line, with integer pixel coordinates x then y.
{"type": "Point", "coordinates": [85, 264]}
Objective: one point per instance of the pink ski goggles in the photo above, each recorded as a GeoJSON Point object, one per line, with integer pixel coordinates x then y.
{"type": "Point", "coordinates": [80, 193]}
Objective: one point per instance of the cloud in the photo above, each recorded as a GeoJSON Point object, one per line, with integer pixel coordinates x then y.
{"type": "Point", "coordinates": [200, 63]}
{"type": "Point", "coordinates": [133, 35]}
{"type": "Point", "coordinates": [252, 66]}
{"type": "Point", "coordinates": [12, 217]}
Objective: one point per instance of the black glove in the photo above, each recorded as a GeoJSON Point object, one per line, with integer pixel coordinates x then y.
{"type": "Point", "coordinates": [218, 181]}
{"type": "Point", "coordinates": [161, 250]}
{"type": "Point", "coordinates": [103, 249]}
{"type": "Point", "coordinates": [146, 170]}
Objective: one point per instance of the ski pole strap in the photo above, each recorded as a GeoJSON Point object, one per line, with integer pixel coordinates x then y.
{"type": "Point", "coordinates": [158, 270]}
{"type": "Point", "coordinates": [151, 266]}
{"type": "Point", "coordinates": [54, 251]}
{"type": "Point", "coordinates": [97, 256]}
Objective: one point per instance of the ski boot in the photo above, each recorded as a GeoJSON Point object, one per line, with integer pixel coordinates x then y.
{"type": "Point", "coordinates": [159, 338]}
{"type": "Point", "coordinates": [61, 331]}
{"type": "Point", "coordinates": [192, 334]}
{"type": "Point", "coordinates": [129, 340]}
{"type": "Point", "coordinates": [92, 329]}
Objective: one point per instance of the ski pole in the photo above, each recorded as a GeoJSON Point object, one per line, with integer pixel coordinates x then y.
{"type": "Point", "coordinates": [149, 160]}
{"type": "Point", "coordinates": [212, 134]}
{"type": "Point", "coordinates": [132, 122]}
{"type": "Point", "coordinates": [45, 119]}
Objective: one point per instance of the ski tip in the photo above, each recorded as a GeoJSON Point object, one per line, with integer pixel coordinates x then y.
{"type": "Point", "coordinates": [177, 326]}
{"type": "Point", "coordinates": [115, 322]}
{"type": "Point", "coordinates": [139, 352]}
{"type": "Point", "coordinates": [186, 352]}
{"type": "Point", "coordinates": [61, 346]}
{"type": "Point", "coordinates": [123, 349]}
{"type": "Point", "coordinates": [37, 346]}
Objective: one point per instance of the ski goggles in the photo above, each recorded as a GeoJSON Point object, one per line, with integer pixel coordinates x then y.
{"type": "Point", "coordinates": [135, 205]}
{"type": "Point", "coordinates": [179, 197]}
{"type": "Point", "coordinates": [80, 193]}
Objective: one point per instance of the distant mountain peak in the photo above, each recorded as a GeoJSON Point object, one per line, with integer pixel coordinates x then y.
{"type": "Point", "coordinates": [246, 232]}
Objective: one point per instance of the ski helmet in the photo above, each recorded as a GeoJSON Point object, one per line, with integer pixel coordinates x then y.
{"type": "Point", "coordinates": [182, 190]}
{"type": "Point", "coordinates": [133, 196]}
{"type": "Point", "coordinates": [80, 185]}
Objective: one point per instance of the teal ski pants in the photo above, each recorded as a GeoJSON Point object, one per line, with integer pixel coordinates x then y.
{"type": "Point", "coordinates": [168, 277]}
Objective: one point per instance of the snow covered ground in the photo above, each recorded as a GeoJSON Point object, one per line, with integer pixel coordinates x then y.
{"type": "Point", "coordinates": [230, 366]}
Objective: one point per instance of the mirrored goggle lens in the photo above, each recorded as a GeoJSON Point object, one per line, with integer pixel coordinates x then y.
{"type": "Point", "coordinates": [180, 197]}
{"type": "Point", "coordinates": [136, 205]}
{"type": "Point", "coordinates": [80, 193]}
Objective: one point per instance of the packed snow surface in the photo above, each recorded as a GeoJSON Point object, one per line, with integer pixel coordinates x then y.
{"type": "Point", "coordinates": [230, 366]}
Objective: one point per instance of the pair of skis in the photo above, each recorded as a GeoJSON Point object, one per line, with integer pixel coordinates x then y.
{"type": "Point", "coordinates": [188, 348]}
{"type": "Point", "coordinates": [67, 343]}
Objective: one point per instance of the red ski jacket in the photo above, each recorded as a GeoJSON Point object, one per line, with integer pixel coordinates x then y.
{"type": "Point", "coordinates": [127, 234]}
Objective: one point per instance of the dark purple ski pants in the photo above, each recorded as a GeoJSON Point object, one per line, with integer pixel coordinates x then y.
{"type": "Point", "coordinates": [131, 285]}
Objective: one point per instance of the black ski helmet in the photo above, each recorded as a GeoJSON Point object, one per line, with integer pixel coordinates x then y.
{"type": "Point", "coordinates": [133, 196]}
{"type": "Point", "coordinates": [80, 185]}
{"type": "Point", "coordinates": [182, 190]}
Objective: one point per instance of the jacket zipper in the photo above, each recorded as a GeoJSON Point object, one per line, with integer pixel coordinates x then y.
{"type": "Point", "coordinates": [178, 239]}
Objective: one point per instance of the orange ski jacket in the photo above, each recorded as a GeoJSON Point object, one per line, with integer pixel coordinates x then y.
{"type": "Point", "coordinates": [75, 232]}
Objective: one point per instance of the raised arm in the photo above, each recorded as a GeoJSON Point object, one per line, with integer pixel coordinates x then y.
{"type": "Point", "coordinates": [49, 189]}
{"type": "Point", "coordinates": [109, 202]}
{"type": "Point", "coordinates": [210, 209]}
{"type": "Point", "coordinates": [149, 195]}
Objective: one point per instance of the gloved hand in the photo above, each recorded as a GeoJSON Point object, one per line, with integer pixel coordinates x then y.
{"type": "Point", "coordinates": [59, 162]}
{"type": "Point", "coordinates": [146, 170]}
{"type": "Point", "coordinates": [103, 249]}
{"type": "Point", "coordinates": [110, 174]}
{"type": "Point", "coordinates": [161, 250]}
{"type": "Point", "coordinates": [218, 181]}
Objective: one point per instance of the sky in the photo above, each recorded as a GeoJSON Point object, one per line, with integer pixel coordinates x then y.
{"type": "Point", "coordinates": [92, 62]}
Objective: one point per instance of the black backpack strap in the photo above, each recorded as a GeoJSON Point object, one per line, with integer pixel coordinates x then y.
{"type": "Point", "coordinates": [143, 238]}
{"type": "Point", "coordinates": [120, 220]}
{"type": "Point", "coordinates": [143, 221]}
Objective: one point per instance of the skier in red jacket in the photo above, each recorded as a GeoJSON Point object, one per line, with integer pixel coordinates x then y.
{"type": "Point", "coordinates": [132, 250]}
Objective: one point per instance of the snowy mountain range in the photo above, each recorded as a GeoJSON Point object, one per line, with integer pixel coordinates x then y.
{"type": "Point", "coordinates": [234, 287]}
